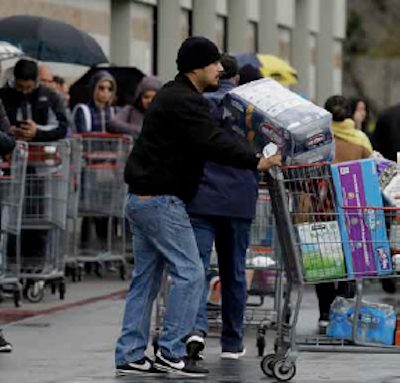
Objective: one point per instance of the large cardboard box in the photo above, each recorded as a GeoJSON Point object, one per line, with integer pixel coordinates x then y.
{"type": "Point", "coordinates": [365, 242]}
{"type": "Point", "coordinates": [321, 250]}
{"type": "Point", "coordinates": [266, 112]}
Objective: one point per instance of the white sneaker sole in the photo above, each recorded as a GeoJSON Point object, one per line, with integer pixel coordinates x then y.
{"type": "Point", "coordinates": [138, 373]}
{"type": "Point", "coordinates": [233, 355]}
{"type": "Point", "coordinates": [6, 348]}
{"type": "Point", "coordinates": [174, 371]}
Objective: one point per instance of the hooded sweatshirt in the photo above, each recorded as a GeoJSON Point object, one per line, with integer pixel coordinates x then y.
{"type": "Point", "coordinates": [91, 117]}
{"type": "Point", "coordinates": [351, 143]}
{"type": "Point", "coordinates": [129, 119]}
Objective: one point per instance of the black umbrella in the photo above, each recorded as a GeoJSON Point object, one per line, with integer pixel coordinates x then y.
{"type": "Point", "coordinates": [127, 79]}
{"type": "Point", "coordinates": [51, 40]}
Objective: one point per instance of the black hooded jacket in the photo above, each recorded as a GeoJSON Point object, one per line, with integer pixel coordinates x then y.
{"type": "Point", "coordinates": [178, 135]}
{"type": "Point", "coordinates": [47, 108]}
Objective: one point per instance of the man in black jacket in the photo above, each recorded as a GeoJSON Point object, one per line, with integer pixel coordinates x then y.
{"type": "Point", "coordinates": [163, 173]}
{"type": "Point", "coordinates": [36, 112]}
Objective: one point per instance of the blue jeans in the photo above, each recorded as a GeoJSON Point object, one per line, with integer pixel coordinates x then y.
{"type": "Point", "coordinates": [231, 236]}
{"type": "Point", "coordinates": [162, 235]}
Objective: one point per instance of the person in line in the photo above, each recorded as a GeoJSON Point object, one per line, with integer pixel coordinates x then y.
{"type": "Point", "coordinates": [46, 77]}
{"type": "Point", "coordinates": [351, 144]}
{"type": "Point", "coordinates": [94, 116]}
{"type": "Point", "coordinates": [248, 73]}
{"type": "Point", "coordinates": [222, 211]}
{"type": "Point", "coordinates": [359, 112]}
{"type": "Point", "coordinates": [36, 114]}
{"type": "Point", "coordinates": [7, 143]}
{"type": "Point", "coordinates": [129, 119]}
{"type": "Point", "coordinates": [163, 173]}
{"type": "Point", "coordinates": [62, 87]}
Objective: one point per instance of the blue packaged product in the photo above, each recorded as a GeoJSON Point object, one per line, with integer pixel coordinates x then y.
{"type": "Point", "coordinates": [376, 322]}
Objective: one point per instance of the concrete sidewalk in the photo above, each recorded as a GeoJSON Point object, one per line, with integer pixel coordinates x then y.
{"type": "Point", "coordinates": [76, 345]}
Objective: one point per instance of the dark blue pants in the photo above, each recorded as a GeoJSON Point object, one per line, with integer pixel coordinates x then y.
{"type": "Point", "coordinates": [231, 236]}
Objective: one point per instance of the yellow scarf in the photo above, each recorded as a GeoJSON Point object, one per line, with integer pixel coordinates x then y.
{"type": "Point", "coordinates": [346, 131]}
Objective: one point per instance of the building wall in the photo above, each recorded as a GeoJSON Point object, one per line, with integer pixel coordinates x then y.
{"type": "Point", "coordinates": [147, 33]}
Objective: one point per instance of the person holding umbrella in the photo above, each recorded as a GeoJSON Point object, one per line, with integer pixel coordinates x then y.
{"type": "Point", "coordinates": [163, 173]}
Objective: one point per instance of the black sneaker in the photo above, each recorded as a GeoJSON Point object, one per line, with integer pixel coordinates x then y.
{"type": "Point", "coordinates": [195, 344]}
{"type": "Point", "coordinates": [143, 367]}
{"type": "Point", "coordinates": [4, 345]}
{"type": "Point", "coordinates": [179, 366]}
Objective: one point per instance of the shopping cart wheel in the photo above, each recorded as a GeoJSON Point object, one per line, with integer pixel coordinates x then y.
{"type": "Point", "coordinates": [284, 369]}
{"type": "Point", "coordinates": [260, 341]}
{"type": "Point", "coordinates": [62, 289]}
{"type": "Point", "coordinates": [267, 365]}
{"type": "Point", "coordinates": [122, 272]}
{"type": "Point", "coordinates": [17, 298]}
{"type": "Point", "coordinates": [35, 291]}
{"type": "Point", "coordinates": [99, 269]}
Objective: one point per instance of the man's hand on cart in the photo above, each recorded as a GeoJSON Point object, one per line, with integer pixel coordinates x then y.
{"type": "Point", "coordinates": [267, 163]}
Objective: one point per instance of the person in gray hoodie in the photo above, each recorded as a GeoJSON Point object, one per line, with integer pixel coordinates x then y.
{"type": "Point", "coordinates": [94, 116]}
{"type": "Point", "coordinates": [129, 119]}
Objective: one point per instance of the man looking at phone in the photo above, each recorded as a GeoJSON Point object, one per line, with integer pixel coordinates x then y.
{"type": "Point", "coordinates": [36, 112]}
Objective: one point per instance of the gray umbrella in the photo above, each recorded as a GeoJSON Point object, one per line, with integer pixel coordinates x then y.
{"type": "Point", "coordinates": [51, 40]}
{"type": "Point", "coordinates": [9, 51]}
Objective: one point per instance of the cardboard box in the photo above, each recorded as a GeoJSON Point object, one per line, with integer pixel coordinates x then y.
{"type": "Point", "coordinates": [365, 242]}
{"type": "Point", "coordinates": [321, 250]}
{"type": "Point", "coordinates": [266, 112]}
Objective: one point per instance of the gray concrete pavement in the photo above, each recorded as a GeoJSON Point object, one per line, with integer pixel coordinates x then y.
{"type": "Point", "coordinates": [76, 345]}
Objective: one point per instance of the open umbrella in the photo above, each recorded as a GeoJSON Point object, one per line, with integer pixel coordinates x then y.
{"type": "Point", "coordinates": [9, 51]}
{"type": "Point", "coordinates": [127, 79]}
{"type": "Point", "coordinates": [51, 40]}
{"type": "Point", "coordinates": [269, 66]}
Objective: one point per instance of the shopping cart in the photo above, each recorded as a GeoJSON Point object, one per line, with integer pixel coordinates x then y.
{"type": "Point", "coordinates": [12, 184]}
{"type": "Point", "coordinates": [73, 267]}
{"type": "Point", "coordinates": [43, 220]}
{"type": "Point", "coordinates": [103, 193]}
{"type": "Point", "coordinates": [303, 200]}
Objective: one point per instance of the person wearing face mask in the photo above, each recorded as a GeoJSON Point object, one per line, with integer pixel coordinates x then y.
{"type": "Point", "coordinates": [129, 119]}
{"type": "Point", "coordinates": [94, 116]}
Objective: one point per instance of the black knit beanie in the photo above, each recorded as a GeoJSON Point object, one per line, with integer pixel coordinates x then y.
{"type": "Point", "coordinates": [196, 52]}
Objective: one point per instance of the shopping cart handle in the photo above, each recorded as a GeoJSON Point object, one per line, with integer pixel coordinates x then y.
{"type": "Point", "coordinates": [101, 135]}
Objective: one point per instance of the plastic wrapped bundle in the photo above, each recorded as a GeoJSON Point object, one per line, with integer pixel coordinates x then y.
{"type": "Point", "coordinates": [376, 322]}
{"type": "Point", "coordinates": [266, 112]}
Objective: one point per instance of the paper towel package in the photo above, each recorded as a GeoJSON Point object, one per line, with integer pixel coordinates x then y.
{"type": "Point", "coordinates": [268, 112]}
{"type": "Point", "coordinates": [365, 241]}
{"type": "Point", "coordinates": [321, 250]}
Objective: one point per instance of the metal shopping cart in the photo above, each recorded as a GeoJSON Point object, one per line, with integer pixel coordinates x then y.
{"type": "Point", "coordinates": [306, 213]}
{"type": "Point", "coordinates": [103, 193]}
{"type": "Point", "coordinates": [73, 267]}
{"type": "Point", "coordinates": [12, 184]}
{"type": "Point", "coordinates": [43, 220]}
